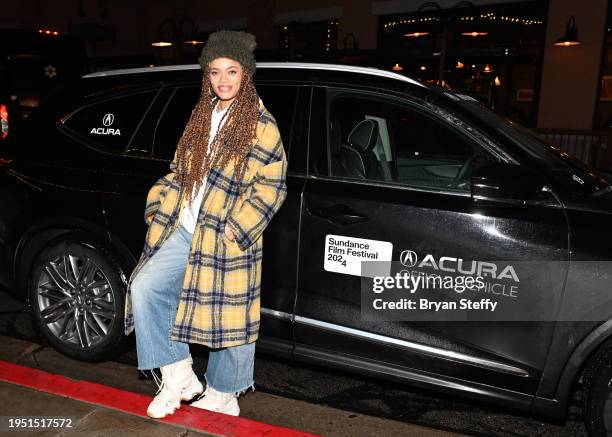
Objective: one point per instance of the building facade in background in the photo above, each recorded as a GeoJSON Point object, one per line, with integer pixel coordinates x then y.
{"type": "Point", "coordinates": [501, 52]}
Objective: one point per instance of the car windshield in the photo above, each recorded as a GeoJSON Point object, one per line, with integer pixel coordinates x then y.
{"type": "Point", "coordinates": [564, 168]}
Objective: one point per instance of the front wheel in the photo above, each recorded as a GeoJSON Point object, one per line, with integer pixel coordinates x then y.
{"type": "Point", "coordinates": [597, 394]}
{"type": "Point", "coordinates": [77, 292]}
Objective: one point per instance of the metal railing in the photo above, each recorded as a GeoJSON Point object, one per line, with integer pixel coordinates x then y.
{"type": "Point", "coordinates": [594, 148]}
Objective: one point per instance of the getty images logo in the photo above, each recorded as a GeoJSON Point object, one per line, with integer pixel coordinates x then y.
{"type": "Point", "coordinates": [409, 258]}
{"type": "Point", "coordinates": [107, 121]}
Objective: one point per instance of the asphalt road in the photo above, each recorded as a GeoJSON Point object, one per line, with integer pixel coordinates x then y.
{"type": "Point", "coordinates": [354, 393]}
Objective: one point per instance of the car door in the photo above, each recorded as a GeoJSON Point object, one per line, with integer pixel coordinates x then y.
{"type": "Point", "coordinates": [134, 169]}
{"type": "Point", "coordinates": [148, 158]}
{"type": "Point", "coordinates": [405, 197]}
{"type": "Point", "coordinates": [289, 104]}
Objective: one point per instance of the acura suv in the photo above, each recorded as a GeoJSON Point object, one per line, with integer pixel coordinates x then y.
{"type": "Point", "coordinates": [381, 168]}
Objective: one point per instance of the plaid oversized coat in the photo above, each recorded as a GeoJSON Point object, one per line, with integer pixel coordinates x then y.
{"type": "Point", "coordinates": [220, 297]}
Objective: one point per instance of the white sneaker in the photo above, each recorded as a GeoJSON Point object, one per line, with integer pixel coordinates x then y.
{"type": "Point", "coordinates": [179, 383]}
{"type": "Point", "coordinates": [219, 402]}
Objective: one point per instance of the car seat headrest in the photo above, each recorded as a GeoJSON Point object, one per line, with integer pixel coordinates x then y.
{"type": "Point", "coordinates": [364, 135]}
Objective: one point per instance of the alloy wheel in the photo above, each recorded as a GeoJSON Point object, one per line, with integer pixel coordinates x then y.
{"type": "Point", "coordinates": [76, 300]}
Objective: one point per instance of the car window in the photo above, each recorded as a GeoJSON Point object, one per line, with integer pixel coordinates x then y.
{"type": "Point", "coordinates": [111, 124]}
{"type": "Point", "coordinates": [279, 100]}
{"type": "Point", "coordinates": [173, 121]}
{"type": "Point", "coordinates": [564, 168]}
{"type": "Point", "coordinates": [383, 140]}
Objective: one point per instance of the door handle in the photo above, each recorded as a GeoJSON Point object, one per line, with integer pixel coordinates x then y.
{"type": "Point", "coordinates": [338, 215]}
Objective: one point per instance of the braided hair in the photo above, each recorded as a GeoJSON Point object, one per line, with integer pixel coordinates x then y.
{"type": "Point", "coordinates": [233, 140]}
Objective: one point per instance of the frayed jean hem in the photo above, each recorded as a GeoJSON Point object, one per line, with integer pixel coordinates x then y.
{"type": "Point", "coordinates": [250, 387]}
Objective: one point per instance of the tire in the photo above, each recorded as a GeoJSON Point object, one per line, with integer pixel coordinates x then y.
{"type": "Point", "coordinates": [597, 392]}
{"type": "Point", "coordinates": [77, 293]}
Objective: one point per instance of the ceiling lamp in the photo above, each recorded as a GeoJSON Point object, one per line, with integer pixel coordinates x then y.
{"type": "Point", "coordinates": [397, 67]}
{"type": "Point", "coordinates": [167, 34]}
{"type": "Point", "coordinates": [425, 23]}
{"type": "Point", "coordinates": [188, 32]}
{"type": "Point", "coordinates": [161, 43]}
{"type": "Point", "coordinates": [487, 69]}
{"type": "Point", "coordinates": [475, 34]}
{"type": "Point", "coordinates": [472, 24]}
{"type": "Point", "coordinates": [416, 34]}
{"type": "Point", "coordinates": [571, 35]}
{"type": "Point", "coordinates": [460, 64]}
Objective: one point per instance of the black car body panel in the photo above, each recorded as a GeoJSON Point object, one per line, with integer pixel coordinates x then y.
{"type": "Point", "coordinates": [65, 177]}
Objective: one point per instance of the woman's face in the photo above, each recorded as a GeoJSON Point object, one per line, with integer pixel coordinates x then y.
{"type": "Point", "coordinates": [225, 77]}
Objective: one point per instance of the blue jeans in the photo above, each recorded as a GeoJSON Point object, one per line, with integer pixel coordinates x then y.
{"type": "Point", "coordinates": [155, 297]}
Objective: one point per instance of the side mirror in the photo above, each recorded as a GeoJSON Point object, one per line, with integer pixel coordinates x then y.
{"type": "Point", "coordinates": [501, 181]}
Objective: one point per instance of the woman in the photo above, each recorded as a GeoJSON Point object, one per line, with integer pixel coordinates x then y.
{"type": "Point", "coordinates": [198, 279]}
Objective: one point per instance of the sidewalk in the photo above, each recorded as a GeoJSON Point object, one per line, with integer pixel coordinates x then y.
{"type": "Point", "coordinates": [88, 419]}
{"type": "Point", "coordinates": [92, 393]}
{"type": "Point", "coordinates": [117, 401]}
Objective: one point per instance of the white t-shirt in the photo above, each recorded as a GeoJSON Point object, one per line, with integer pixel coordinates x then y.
{"type": "Point", "coordinates": [189, 214]}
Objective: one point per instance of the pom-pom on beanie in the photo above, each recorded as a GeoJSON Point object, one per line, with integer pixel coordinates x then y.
{"type": "Point", "coordinates": [230, 44]}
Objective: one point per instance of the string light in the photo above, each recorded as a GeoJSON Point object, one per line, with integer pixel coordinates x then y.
{"type": "Point", "coordinates": [48, 32]}
{"type": "Point", "coordinates": [328, 42]}
{"type": "Point", "coordinates": [286, 37]}
{"type": "Point", "coordinates": [491, 16]}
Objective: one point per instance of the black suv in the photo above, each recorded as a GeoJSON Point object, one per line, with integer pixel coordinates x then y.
{"type": "Point", "coordinates": [381, 168]}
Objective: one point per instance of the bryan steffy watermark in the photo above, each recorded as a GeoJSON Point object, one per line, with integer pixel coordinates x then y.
{"type": "Point", "coordinates": [413, 283]}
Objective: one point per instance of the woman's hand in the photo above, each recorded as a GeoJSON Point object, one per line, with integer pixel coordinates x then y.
{"type": "Point", "coordinates": [229, 233]}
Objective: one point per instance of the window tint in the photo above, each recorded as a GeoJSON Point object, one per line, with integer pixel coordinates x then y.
{"type": "Point", "coordinates": [279, 100]}
{"type": "Point", "coordinates": [297, 150]}
{"type": "Point", "coordinates": [173, 121]}
{"type": "Point", "coordinates": [111, 123]}
{"type": "Point", "coordinates": [381, 140]}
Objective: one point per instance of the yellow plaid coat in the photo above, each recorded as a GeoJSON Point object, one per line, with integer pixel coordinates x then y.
{"type": "Point", "coordinates": [220, 297]}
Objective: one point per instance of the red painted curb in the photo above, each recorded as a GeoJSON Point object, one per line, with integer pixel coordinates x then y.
{"type": "Point", "coordinates": [136, 404]}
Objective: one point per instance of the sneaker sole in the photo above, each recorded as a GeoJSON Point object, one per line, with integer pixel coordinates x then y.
{"type": "Point", "coordinates": [183, 398]}
{"type": "Point", "coordinates": [161, 417]}
{"type": "Point", "coordinates": [228, 411]}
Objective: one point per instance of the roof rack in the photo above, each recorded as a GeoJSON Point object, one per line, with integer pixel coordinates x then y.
{"type": "Point", "coordinates": [263, 65]}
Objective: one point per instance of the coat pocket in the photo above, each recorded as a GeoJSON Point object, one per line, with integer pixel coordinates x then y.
{"type": "Point", "coordinates": [231, 247]}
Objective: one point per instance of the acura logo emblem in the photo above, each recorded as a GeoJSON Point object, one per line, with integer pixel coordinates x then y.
{"type": "Point", "coordinates": [108, 119]}
{"type": "Point", "coordinates": [409, 258]}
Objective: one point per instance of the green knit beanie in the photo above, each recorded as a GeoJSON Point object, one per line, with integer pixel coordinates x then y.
{"type": "Point", "coordinates": [230, 44]}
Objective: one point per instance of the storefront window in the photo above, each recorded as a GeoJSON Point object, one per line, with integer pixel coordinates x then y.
{"type": "Point", "coordinates": [305, 40]}
{"type": "Point", "coordinates": [603, 113]}
{"type": "Point", "coordinates": [493, 53]}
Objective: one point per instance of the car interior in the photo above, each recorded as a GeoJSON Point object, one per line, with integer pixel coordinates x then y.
{"type": "Point", "coordinates": [377, 141]}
